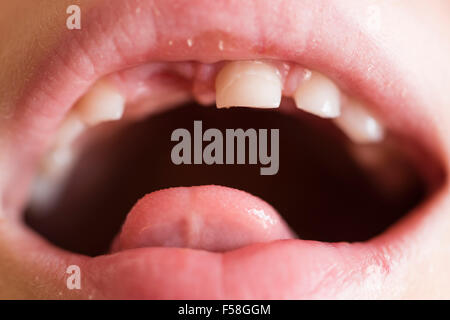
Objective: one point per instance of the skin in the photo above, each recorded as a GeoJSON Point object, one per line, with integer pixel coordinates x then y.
{"type": "Point", "coordinates": [29, 29]}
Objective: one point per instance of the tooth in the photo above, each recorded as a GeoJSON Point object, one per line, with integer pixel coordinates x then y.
{"type": "Point", "coordinates": [101, 103]}
{"type": "Point", "coordinates": [248, 84]}
{"type": "Point", "coordinates": [48, 183]}
{"type": "Point", "coordinates": [359, 124]}
{"type": "Point", "coordinates": [318, 95]}
{"type": "Point", "coordinates": [70, 129]}
{"type": "Point", "coordinates": [57, 161]}
{"type": "Point", "coordinates": [43, 194]}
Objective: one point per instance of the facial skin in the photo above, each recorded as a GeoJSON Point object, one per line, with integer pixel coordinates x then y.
{"type": "Point", "coordinates": [415, 32]}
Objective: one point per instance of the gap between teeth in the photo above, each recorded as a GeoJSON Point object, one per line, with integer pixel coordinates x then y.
{"type": "Point", "coordinates": [256, 84]}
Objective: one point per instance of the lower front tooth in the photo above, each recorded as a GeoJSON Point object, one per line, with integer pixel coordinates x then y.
{"type": "Point", "coordinates": [101, 103]}
{"type": "Point", "coordinates": [318, 95]}
{"type": "Point", "coordinates": [248, 84]}
{"type": "Point", "coordinates": [359, 124]}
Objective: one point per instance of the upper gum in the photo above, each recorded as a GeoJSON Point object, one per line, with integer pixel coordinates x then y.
{"type": "Point", "coordinates": [194, 77]}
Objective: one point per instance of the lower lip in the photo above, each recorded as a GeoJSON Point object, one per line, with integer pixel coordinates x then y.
{"type": "Point", "coordinates": [297, 269]}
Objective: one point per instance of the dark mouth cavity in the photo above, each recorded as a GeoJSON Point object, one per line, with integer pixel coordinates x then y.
{"type": "Point", "coordinates": [320, 190]}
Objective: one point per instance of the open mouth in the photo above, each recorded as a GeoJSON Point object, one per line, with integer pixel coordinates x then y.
{"type": "Point", "coordinates": [357, 172]}
{"type": "Point", "coordinates": [342, 199]}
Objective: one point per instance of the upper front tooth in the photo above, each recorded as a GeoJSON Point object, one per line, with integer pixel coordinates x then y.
{"type": "Point", "coordinates": [101, 103]}
{"type": "Point", "coordinates": [248, 84]}
{"type": "Point", "coordinates": [319, 95]}
{"type": "Point", "coordinates": [359, 124]}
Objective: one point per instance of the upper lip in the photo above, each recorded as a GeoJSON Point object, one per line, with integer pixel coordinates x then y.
{"type": "Point", "coordinates": [118, 34]}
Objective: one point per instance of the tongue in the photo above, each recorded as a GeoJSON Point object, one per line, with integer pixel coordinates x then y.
{"type": "Point", "coordinates": [210, 218]}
